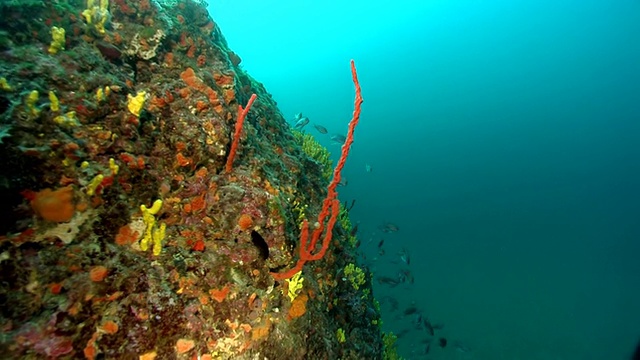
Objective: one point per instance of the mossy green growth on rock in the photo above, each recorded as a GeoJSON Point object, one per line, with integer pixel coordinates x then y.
{"type": "Point", "coordinates": [345, 222]}
{"type": "Point", "coordinates": [317, 152]}
{"type": "Point", "coordinates": [355, 275]}
{"type": "Point", "coordinates": [390, 350]}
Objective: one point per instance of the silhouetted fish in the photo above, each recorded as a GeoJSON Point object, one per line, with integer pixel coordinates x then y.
{"type": "Point", "coordinates": [412, 309]}
{"type": "Point", "coordinates": [428, 326]}
{"type": "Point", "coordinates": [461, 347]}
{"type": "Point", "coordinates": [404, 256]}
{"type": "Point", "coordinates": [353, 203]}
{"type": "Point", "coordinates": [389, 227]}
{"type": "Point", "coordinates": [354, 230]}
{"type": "Point", "coordinates": [338, 139]}
{"type": "Point", "coordinates": [321, 129]}
{"type": "Point", "coordinates": [406, 276]}
{"type": "Point", "coordinates": [300, 121]}
{"type": "Point", "coordinates": [388, 281]}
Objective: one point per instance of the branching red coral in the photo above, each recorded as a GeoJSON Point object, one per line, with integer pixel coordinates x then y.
{"type": "Point", "coordinates": [331, 202]}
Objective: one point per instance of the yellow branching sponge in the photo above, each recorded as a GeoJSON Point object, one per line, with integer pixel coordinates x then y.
{"type": "Point", "coordinates": [295, 284]}
{"type": "Point", "coordinates": [97, 14]}
{"type": "Point", "coordinates": [355, 275]}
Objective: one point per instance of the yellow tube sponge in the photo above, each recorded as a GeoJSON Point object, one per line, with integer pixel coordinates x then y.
{"type": "Point", "coordinates": [4, 84]}
{"type": "Point", "coordinates": [113, 166]}
{"type": "Point", "coordinates": [31, 101]}
{"type": "Point", "coordinates": [153, 234]}
{"type": "Point", "coordinates": [155, 208]}
{"type": "Point", "coordinates": [158, 236]}
{"type": "Point", "coordinates": [58, 40]}
{"type": "Point", "coordinates": [54, 102]}
{"type": "Point", "coordinates": [150, 222]}
{"type": "Point", "coordinates": [93, 185]}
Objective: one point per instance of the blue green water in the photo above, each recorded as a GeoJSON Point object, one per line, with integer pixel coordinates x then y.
{"type": "Point", "coordinates": [503, 139]}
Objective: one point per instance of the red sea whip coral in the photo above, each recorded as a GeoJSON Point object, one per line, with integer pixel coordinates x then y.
{"type": "Point", "coordinates": [242, 113]}
{"type": "Point", "coordinates": [330, 202]}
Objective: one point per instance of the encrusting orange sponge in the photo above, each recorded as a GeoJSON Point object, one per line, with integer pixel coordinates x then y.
{"type": "Point", "coordinates": [54, 205]}
{"type": "Point", "coordinates": [245, 221]}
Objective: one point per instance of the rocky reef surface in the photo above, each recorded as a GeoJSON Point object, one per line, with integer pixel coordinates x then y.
{"type": "Point", "coordinates": [123, 236]}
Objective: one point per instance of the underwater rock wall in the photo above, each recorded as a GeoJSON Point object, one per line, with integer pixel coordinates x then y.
{"type": "Point", "coordinates": [123, 237]}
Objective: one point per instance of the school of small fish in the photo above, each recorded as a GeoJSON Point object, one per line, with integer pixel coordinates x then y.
{"type": "Point", "coordinates": [415, 317]}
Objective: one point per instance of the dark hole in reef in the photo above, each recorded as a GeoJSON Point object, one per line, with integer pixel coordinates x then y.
{"type": "Point", "coordinates": [4, 104]}
{"type": "Point", "coordinates": [16, 174]}
{"type": "Point", "coordinates": [258, 241]}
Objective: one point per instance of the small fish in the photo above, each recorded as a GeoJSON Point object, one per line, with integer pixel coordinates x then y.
{"type": "Point", "coordinates": [343, 182]}
{"type": "Point", "coordinates": [428, 326]}
{"type": "Point", "coordinates": [392, 282]}
{"type": "Point", "coordinates": [405, 276]}
{"type": "Point", "coordinates": [353, 203]}
{"type": "Point", "coordinates": [442, 342]}
{"type": "Point", "coordinates": [461, 347]}
{"type": "Point", "coordinates": [367, 167]}
{"type": "Point", "coordinates": [354, 230]}
{"type": "Point", "coordinates": [321, 129]}
{"type": "Point", "coordinates": [404, 256]}
{"type": "Point", "coordinates": [389, 228]}
{"type": "Point", "coordinates": [338, 139]}
{"type": "Point", "coordinates": [427, 348]}
{"type": "Point", "coordinates": [418, 321]}
{"type": "Point", "coordinates": [412, 309]}
{"type": "Point", "coordinates": [381, 251]}
{"type": "Point", "coordinates": [302, 123]}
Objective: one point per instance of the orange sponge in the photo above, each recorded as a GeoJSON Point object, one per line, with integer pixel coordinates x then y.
{"type": "Point", "coordinates": [54, 205]}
